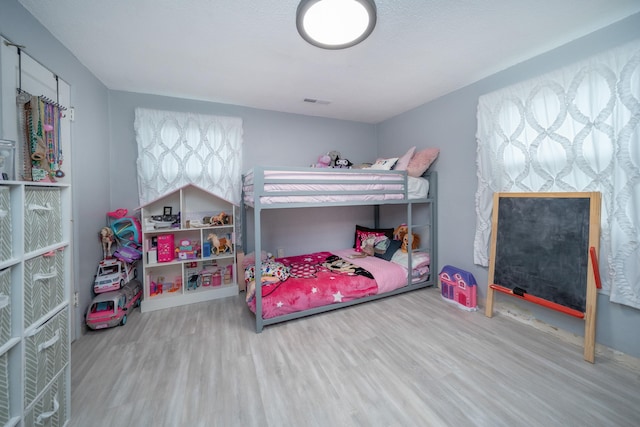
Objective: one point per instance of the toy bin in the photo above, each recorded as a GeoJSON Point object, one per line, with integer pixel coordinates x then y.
{"type": "Point", "coordinates": [166, 248]}
{"type": "Point", "coordinates": [43, 214]}
{"type": "Point", "coordinates": [44, 286]}
{"type": "Point", "coordinates": [5, 306]}
{"type": "Point", "coordinates": [46, 353]}
{"type": "Point", "coordinates": [5, 409]}
{"type": "Point", "coordinates": [459, 287]}
{"type": "Point", "coordinates": [50, 408]}
{"type": "Point", "coordinates": [5, 224]}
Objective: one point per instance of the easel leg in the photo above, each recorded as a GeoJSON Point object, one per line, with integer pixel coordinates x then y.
{"type": "Point", "coordinates": [489, 308]}
{"type": "Point", "coordinates": [590, 327]}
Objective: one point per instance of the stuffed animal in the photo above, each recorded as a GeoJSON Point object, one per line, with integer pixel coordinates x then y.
{"type": "Point", "coordinates": [415, 242]}
{"type": "Point", "coordinates": [343, 163]}
{"type": "Point", "coordinates": [334, 156]}
{"type": "Point", "coordinates": [402, 233]}
{"type": "Point", "coordinates": [323, 161]}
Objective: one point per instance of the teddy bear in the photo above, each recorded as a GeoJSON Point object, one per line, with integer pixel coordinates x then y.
{"type": "Point", "coordinates": [401, 233]}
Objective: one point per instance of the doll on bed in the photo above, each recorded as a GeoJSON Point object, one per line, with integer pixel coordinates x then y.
{"type": "Point", "coordinates": [272, 272]}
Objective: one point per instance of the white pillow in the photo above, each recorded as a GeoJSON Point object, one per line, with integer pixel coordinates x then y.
{"type": "Point", "coordinates": [384, 164]}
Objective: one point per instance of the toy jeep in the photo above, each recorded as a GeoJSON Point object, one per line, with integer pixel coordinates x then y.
{"type": "Point", "coordinates": [110, 308]}
{"type": "Point", "coordinates": [112, 274]}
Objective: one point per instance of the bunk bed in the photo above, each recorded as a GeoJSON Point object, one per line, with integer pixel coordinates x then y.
{"type": "Point", "coordinates": [370, 278]}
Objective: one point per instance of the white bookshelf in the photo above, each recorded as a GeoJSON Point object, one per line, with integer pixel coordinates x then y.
{"type": "Point", "coordinates": [185, 277]}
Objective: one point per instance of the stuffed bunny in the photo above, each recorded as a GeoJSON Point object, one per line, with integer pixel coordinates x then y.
{"type": "Point", "coordinates": [323, 161]}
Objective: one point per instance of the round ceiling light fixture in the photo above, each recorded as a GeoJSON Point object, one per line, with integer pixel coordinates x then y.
{"type": "Point", "coordinates": [335, 24]}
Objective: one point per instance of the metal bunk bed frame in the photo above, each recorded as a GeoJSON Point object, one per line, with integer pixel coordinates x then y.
{"type": "Point", "coordinates": [259, 181]}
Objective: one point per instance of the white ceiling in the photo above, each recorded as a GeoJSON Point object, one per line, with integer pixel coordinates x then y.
{"type": "Point", "coordinates": [248, 52]}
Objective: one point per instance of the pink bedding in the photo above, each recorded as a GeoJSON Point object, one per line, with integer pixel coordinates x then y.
{"type": "Point", "coordinates": [324, 278]}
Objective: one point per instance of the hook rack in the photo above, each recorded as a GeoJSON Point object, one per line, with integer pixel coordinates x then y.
{"type": "Point", "coordinates": [44, 98]}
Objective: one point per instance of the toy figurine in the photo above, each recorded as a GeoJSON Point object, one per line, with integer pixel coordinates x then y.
{"type": "Point", "coordinates": [221, 219]}
{"type": "Point", "coordinates": [106, 237]}
{"type": "Point", "coordinates": [219, 244]}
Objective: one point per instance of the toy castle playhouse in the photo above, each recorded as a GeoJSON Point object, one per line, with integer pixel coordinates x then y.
{"type": "Point", "coordinates": [459, 287]}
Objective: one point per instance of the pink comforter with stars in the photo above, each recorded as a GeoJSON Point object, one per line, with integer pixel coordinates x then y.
{"type": "Point", "coordinates": [324, 278]}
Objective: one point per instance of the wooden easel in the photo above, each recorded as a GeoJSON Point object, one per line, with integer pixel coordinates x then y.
{"type": "Point", "coordinates": [592, 274]}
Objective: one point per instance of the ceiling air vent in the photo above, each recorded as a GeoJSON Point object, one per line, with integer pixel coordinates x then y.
{"type": "Point", "coordinates": [316, 101]}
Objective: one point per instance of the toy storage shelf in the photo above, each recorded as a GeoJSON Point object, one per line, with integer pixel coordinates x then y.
{"type": "Point", "coordinates": [189, 254]}
{"type": "Point", "coordinates": [35, 311]}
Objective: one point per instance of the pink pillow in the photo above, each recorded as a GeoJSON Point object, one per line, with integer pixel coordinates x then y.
{"type": "Point", "coordinates": [421, 161]}
{"type": "Point", "coordinates": [403, 162]}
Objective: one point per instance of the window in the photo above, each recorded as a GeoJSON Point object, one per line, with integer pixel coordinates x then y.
{"type": "Point", "coordinates": [176, 148]}
{"type": "Point", "coordinates": [575, 129]}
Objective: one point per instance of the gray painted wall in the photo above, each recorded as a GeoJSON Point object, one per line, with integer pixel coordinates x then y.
{"type": "Point", "coordinates": [450, 123]}
{"type": "Point", "coordinates": [269, 138]}
{"type": "Point", "coordinates": [89, 138]}
{"type": "Point", "coordinates": [104, 152]}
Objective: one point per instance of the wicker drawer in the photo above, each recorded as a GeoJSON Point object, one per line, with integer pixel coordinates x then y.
{"type": "Point", "coordinates": [5, 224]}
{"type": "Point", "coordinates": [46, 353]}
{"type": "Point", "coordinates": [5, 307]}
{"type": "Point", "coordinates": [5, 410]}
{"type": "Point", "coordinates": [42, 218]}
{"type": "Point", "coordinates": [50, 410]}
{"type": "Point", "coordinates": [43, 285]}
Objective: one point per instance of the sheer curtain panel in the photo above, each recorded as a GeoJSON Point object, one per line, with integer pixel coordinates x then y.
{"type": "Point", "coordinates": [176, 148]}
{"type": "Point", "coordinates": [575, 129]}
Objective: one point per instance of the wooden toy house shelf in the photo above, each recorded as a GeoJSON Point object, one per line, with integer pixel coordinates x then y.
{"type": "Point", "coordinates": [189, 255]}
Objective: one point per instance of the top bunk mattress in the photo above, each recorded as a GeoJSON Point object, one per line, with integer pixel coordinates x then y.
{"type": "Point", "coordinates": [272, 186]}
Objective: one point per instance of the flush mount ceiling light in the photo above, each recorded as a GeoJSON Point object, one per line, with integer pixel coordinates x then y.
{"type": "Point", "coordinates": [335, 24]}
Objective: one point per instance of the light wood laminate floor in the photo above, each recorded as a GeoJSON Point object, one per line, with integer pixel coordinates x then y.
{"type": "Point", "coordinates": [407, 360]}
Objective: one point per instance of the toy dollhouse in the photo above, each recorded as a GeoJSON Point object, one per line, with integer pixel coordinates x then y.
{"type": "Point", "coordinates": [188, 239]}
{"type": "Point", "coordinates": [459, 287]}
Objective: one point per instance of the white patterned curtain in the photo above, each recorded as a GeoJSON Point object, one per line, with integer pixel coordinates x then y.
{"type": "Point", "coordinates": [575, 129]}
{"type": "Point", "coordinates": [176, 148]}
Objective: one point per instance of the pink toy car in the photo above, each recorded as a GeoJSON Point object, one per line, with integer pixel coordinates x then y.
{"type": "Point", "coordinates": [110, 309]}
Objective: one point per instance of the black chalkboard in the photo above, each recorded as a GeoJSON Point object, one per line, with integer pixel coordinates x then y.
{"type": "Point", "coordinates": [542, 247]}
